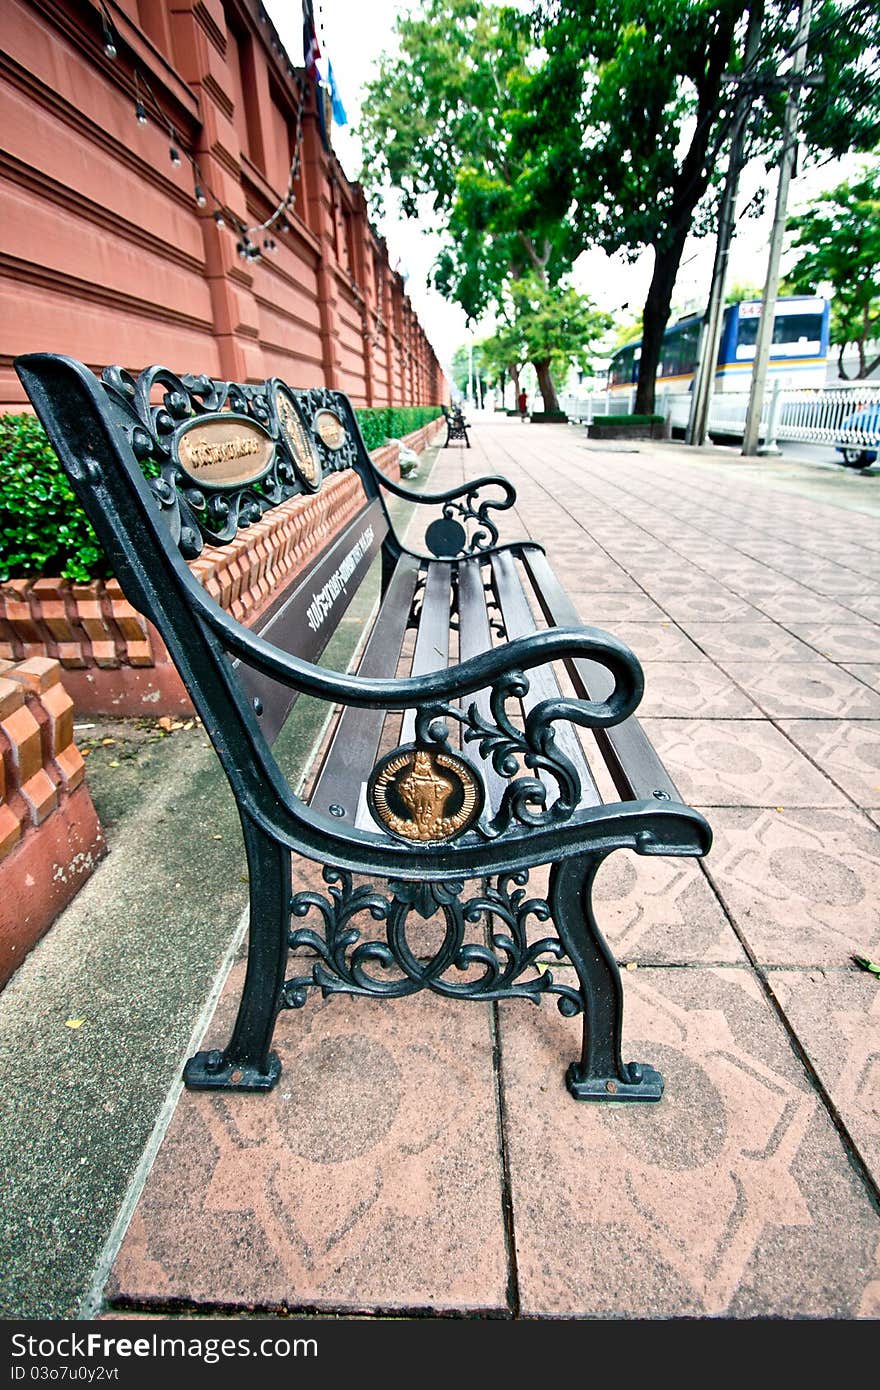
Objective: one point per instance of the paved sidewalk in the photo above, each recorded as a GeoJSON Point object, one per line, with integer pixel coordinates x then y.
{"type": "Point", "coordinates": [420, 1156]}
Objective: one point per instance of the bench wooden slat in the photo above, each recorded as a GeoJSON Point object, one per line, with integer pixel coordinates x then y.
{"type": "Point", "coordinates": [634, 766]}
{"type": "Point", "coordinates": [432, 642]}
{"type": "Point", "coordinates": [475, 636]}
{"type": "Point", "coordinates": [543, 685]}
{"type": "Point", "coordinates": [354, 746]}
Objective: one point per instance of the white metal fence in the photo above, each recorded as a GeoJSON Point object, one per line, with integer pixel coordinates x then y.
{"type": "Point", "coordinates": [844, 415]}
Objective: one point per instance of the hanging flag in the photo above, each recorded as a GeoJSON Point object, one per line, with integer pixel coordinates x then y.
{"type": "Point", "coordinates": [339, 115]}
{"type": "Point", "coordinates": [311, 47]}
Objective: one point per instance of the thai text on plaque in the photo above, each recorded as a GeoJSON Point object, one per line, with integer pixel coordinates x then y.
{"type": "Point", "coordinates": [224, 450]}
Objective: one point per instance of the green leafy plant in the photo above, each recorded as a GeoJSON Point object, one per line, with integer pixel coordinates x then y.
{"type": "Point", "coordinates": [43, 529]}
{"type": "Point", "coordinates": [381, 423]}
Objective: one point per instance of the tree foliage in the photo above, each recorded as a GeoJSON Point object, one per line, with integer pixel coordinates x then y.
{"type": "Point", "coordinates": [535, 133]}
{"type": "Point", "coordinates": [634, 97]}
{"type": "Point", "coordinates": [559, 328]}
{"type": "Point", "coordinates": [440, 121]}
{"type": "Point", "coordinates": [839, 241]}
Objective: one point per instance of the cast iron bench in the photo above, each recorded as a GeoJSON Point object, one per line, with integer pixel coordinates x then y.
{"type": "Point", "coordinates": [456, 425]}
{"type": "Point", "coordinates": [467, 767]}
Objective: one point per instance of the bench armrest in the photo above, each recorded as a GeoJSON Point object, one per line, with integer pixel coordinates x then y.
{"type": "Point", "coordinates": [499, 669]}
{"type": "Point", "coordinates": [460, 505]}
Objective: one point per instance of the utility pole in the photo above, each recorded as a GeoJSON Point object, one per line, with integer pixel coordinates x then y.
{"type": "Point", "coordinates": [710, 334]}
{"type": "Point", "coordinates": [771, 286]}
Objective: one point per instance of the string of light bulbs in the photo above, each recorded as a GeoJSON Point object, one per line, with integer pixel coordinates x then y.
{"type": "Point", "coordinates": [144, 98]}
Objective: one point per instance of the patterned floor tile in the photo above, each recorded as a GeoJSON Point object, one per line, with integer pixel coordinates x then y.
{"type": "Point", "coordinates": [657, 642]}
{"type": "Point", "coordinates": [802, 886]}
{"type": "Point", "coordinates": [729, 763]}
{"type": "Point", "coordinates": [850, 753]}
{"type": "Point", "coordinates": [759, 640]}
{"type": "Point", "coordinates": [608, 610]}
{"type": "Point", "coordinates": [731, 1197]}
{"type": "Point", "coordinates": [804, 689]}
{"type": "Point", "coordinates": [368, 1178]}
{"type": "Point", "coordinates": [692, 690]}
{"type": "Point", "coordinates": [868, 674]}
{"type": "Point", "coordinates": [851, 641]}
{"type": "Point", "coordinates": [802, 606]}
{"type": "Point", "coordinates": [867, 604]}
{"type": "Point", "coordinates": [662, 911]}
{"type": "Point", "coordinates": [836, 1016]}
{"type": "Point", "coordinates": [710, 604]}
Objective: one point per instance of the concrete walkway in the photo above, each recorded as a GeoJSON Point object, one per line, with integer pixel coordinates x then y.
{"type": "Point", "coordinates": [420, 1156]}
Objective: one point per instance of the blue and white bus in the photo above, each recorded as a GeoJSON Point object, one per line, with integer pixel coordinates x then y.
{"type": "Point", "coordinates": [798, 355]}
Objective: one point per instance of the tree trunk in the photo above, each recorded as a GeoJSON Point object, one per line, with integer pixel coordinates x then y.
{"type": "Point", "coordinates": [687, 189]}
{"type": "Point", "coordinates": [655, 318]}
{"type": "Point", "coordinates": [545, 383]}
{"type": "Point", "coordinates": [514, 376]}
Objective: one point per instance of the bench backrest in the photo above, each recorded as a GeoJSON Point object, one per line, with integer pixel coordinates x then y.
{"type": "Point", "coordinates": [213, 458]}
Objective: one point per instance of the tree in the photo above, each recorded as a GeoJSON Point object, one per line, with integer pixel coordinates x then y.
{"type": "Point", "coordinates": [634, 99]}
{"type": "Point", "coordinates": [469, 369]}
{"type": "Point", "coordinates": [559, 328]}
{"type": "Point", "coordinates": [506, 353]}
{"type": "Point", "coordinates": [839, 239]}
{"type": "Point", "coordinates": [440, 123]}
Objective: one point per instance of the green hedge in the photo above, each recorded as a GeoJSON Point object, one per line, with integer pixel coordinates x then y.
{"type": "Point", "coordinates": [393, 422]}
{"type": "Point", "coordinates": [43, 530]}
{"type": "Point", "coordinates": [600, 420]}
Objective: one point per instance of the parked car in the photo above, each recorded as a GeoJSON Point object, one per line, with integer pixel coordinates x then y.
{"type": "Point", "coordinates": [868, 420]}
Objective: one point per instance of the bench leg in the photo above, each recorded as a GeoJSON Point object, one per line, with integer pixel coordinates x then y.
{"type": "Point", "coordinates": [247, 1064]}
{"type": "Point", "coordinates": [600, 1074]}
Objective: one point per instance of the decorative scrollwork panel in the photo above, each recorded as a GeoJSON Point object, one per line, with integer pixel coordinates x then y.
{"type": "Point", "coordinates": [349, 959]}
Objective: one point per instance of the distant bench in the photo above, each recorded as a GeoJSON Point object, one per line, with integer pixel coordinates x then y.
{"type": "Point", "coordinates": [456, 425]}
{"type": "Point", "coordinates": [455, 765]}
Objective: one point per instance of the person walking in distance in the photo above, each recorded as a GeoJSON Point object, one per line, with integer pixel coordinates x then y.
{"type": "Point", "coordinates": [522, 404]}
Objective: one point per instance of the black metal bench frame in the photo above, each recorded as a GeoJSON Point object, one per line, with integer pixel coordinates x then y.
{"type": "Point", "coordinates": [437, 812]}
{"type": "Point", "coordinates": [456, 425]}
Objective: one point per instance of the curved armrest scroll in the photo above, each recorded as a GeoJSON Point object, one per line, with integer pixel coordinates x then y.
{"type": "Point", "coordinates": [453, 683]}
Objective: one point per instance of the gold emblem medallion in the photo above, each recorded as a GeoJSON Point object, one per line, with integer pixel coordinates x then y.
{"type": "Point", "coordinates": [419, 794]}
{"type": "Point", "coordinates": [330, 428]}
{"type": "Point", "coordinates": [224, 450]}
{"type": "Point", "coordinates": [298, 439]}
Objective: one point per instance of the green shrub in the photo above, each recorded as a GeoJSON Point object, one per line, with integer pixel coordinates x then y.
{"type": "Point", "coordinates": [381, 423]}
{"type": "Point", "coordinates": [600, 420]}
{"type": "Point", "coordinates": [43, 530]}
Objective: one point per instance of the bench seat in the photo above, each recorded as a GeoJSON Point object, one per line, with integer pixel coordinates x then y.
{"type": "Point", "coordinates": [484, 732]}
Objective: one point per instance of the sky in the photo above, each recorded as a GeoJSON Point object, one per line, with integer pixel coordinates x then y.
{"type": "Point", "coordinates": [355, 33]}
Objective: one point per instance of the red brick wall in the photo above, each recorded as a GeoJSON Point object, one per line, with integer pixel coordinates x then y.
{"type": "Point", "coordinates": [106, 255]}
{"type": "Point", "coordinates": [50, 839]}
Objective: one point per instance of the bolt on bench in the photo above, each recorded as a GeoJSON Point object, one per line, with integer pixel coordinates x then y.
{"type": "Point", "coordinates": [440, 788]}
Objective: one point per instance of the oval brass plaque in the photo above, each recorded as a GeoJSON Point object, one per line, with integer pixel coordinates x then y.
{"type": "Point", "coordinates": [330, 428]}
{"type": "Point", "coordinates": [224, 450]}
{"type": "Point", "coordinates": [420, 794]}
{"type": "Point", "coordinates": [298, 439]}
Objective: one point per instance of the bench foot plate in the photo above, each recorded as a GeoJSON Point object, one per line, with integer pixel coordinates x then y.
{"type": "Point", "coordinates": [210, 1071]}
{"type": "Point", "coordinates": [647, 1084]}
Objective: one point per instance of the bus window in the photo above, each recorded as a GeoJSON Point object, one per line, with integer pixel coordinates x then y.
{"type": "Point", "coordinates": [622, 368]}
{"type": "Point", "coordinates": [804, 329]}
{"type": "Point", "coordinates": [793, 331]}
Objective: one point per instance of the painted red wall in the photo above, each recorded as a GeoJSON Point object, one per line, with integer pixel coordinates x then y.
{"type": "Point", "coordinates": [104, 252]}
